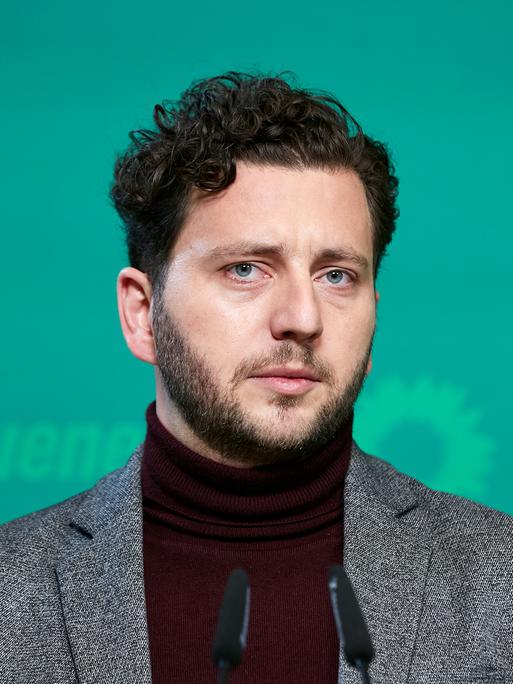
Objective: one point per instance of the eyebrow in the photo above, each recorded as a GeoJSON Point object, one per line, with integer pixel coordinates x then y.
{"type": "Point", "coordinates": [248, 249]}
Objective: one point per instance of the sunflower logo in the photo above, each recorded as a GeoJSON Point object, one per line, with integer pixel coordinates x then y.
{"type": "Point", "coordinates": [447, 448]}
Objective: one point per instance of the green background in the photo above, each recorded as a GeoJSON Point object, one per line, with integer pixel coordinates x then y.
{"type": "Point", "coordinates": [433, 80]}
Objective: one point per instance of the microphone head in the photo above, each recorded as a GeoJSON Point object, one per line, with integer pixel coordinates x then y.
{"type": "Point", "coordinates": [232, 626]}
{"type": "Point", "coordinates": [351, 627]}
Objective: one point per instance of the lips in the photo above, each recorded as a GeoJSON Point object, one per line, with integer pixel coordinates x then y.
{"type": "Point", "coordinates": [284, 372]}
{"type": "Point", "coordinates": [291, 381]}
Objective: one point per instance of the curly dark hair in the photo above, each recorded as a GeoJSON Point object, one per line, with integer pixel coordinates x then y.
{"type": "Point", "coordinates": [238, 117]}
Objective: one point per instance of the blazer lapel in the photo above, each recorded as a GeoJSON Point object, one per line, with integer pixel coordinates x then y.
{"type": "Point", "coordinates": [387, 549]}
{"type": "Point", "coordinates": [101, 583]}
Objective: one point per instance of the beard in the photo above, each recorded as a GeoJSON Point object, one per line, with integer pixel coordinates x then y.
{"type": "Point", "coordinates": [219, 420]}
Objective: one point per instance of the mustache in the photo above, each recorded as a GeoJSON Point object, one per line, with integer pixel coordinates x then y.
{"type": "Point", "coordinates": [286, 353]}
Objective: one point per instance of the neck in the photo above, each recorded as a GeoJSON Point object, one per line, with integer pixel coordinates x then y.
{"type": "Point", "coordinates": [196, 483]}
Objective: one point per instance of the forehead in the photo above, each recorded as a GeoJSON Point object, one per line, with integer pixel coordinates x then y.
{"type": "Point", "coordinates": [305, 211]}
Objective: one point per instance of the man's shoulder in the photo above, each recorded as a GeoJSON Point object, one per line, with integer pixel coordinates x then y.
{"type": "Point", "coordinates": [44, 553]}
{"type": "Point", "coordinates": [449, 515]}
{"type": "Point", "coordinates": [43, 534]}
{"type": "Point", "coordinates": [42, 521]}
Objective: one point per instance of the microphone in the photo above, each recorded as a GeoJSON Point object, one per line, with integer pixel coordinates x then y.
{"type": "Point", "coordinates": [351, 627]}
{"type": "Point", "coordinates": [232, 626]}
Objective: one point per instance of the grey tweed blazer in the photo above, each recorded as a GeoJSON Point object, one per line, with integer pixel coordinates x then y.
{"type": "Point", "coordinates": [433, 573]}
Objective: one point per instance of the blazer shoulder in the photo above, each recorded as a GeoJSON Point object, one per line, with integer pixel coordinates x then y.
{"type": "Point", "coordinates": [41, 536]}
{"type": "Point", "coordinates": [450, 514]}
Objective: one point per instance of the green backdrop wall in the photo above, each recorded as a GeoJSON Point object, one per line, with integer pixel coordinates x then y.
{"type": "Point", "coordinates": [433, 79]}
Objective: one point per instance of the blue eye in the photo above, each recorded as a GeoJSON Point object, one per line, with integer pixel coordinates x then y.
{"type": "Point", "coordinates": [243, 270]}
{"type": "Point", "coordinates": [335, 277]}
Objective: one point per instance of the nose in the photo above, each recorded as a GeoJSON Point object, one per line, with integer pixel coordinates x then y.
{"type": "Point", "coordinates": [296, 313]}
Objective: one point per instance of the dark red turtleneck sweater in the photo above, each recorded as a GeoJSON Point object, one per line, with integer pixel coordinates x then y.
{"type": "Point", "coordinates": [282, 524]}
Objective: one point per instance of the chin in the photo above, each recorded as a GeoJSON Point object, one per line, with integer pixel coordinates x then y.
{"type": "Point", "coordinates": [285, 419]}
{"type": "Point", "coordinates": [282, 406]}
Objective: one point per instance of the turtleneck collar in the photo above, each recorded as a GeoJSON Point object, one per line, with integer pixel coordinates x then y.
{"type": "Point", "coordinates": [196, 495]}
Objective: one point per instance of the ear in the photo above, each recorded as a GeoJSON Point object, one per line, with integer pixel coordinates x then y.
{"type": "Point", "coordinates": [134, 294]}
{"type": "Point", "coordinates": [369, 362]}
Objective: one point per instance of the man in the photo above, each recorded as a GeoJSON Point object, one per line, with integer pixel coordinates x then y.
{"type": "Point", "coordinates": [257, 215]}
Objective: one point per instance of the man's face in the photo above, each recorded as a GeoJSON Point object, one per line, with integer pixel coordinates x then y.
{"type": "Point", "coordinates": [264, 329]}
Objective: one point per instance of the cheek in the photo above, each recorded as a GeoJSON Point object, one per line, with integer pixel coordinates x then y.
{"type": "Point", "coordinates": [226, 323]}
{"type": "Point", "coordinates": [362, 329]}
{"type": "Point", "coordinates": [221, 333]}
{"type": "Point", "coordinates": [349, 338]}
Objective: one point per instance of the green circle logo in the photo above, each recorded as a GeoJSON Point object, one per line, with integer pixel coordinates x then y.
{"type": "Point", "coordinates": [464, 458]}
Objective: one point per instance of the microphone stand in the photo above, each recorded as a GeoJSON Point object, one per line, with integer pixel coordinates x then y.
{"type": "Point", "coordinates": [361, 666]}
{"type": "Point", "coordinates": [223, 671]}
